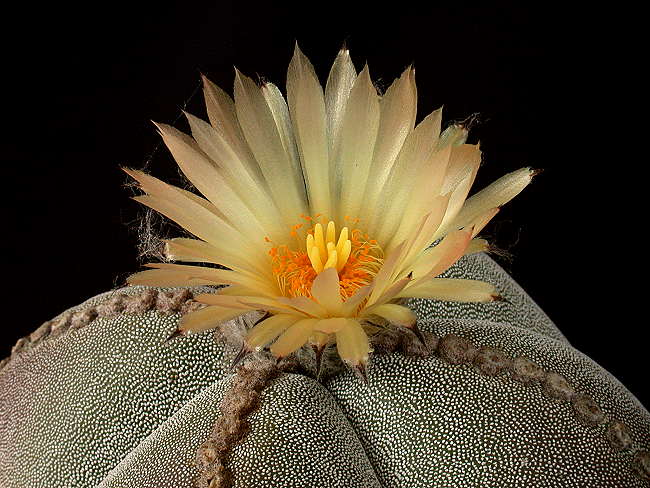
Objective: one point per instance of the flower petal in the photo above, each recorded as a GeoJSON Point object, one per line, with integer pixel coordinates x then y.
{"type": "Point", "coordinates": [393, 313]}
{"type": "Point", "coordinates": [293, 338]}
{"type": "Point", "coordinates": [241, 173]}
{"type": "Point", "coordinates": [168, 274]}
{"type": "Point", "coordinates": [280, 169]}
{"type": "Point", "coordinates": [351, 304]}
{"type": "Point", "coordinates": [398, 107]}
{"type": "Point", "coordinates": [438, 259]}
{"type": "Point", "coordinates": [304, 305]}
{"type": "Point", "coordinates": [498, 193]}
{"type": "Point", "coordinates": [267, 330]}
{"type": "Point", "coordinates": [357, 142]}
{"type": "Point", "coordinates": [352, 343]}
{"type": "Point", "coordinates": [206, 177]}
{"type": "Point", "coordinates": [477, 245]}
{"type": "Point", "coordinates": [208, 318]}
{"type": "Point", "coordinates": [406, 171]}
{"type": "Point", "coordinates": [337, 91]}
{"type": "Point", "coordinates": [191, 250]}
{"type": "Point", "coordinates": [307, 108]}
{"type": "Point", "coordinates": [453, 290]}
{"type": "Point", "coordinates": [326, 291]}
{"type": "Point", "coordinates": [330, 326]}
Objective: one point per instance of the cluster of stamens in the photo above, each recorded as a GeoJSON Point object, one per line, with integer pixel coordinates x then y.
{"type": "Point", "coordinates": [323, 252]}
{"type": "Point", "coordinates": [356, 257]}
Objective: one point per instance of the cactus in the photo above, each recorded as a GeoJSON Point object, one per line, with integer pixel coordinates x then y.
{"type": "Point", "coordinates": [99, 397]}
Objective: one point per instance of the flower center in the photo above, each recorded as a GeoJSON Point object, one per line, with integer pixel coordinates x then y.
{"type": "Point", "coordinates": [356, 257]}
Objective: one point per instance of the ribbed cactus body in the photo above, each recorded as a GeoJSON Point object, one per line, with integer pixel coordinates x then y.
{"type": "Point", "coordinates": [503, 400]}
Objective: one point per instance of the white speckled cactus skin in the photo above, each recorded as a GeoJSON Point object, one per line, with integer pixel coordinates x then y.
{"type": "Point", "coordinates": [112, 404]}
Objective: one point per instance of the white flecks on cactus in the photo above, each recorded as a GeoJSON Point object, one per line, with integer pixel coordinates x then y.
{"type": "Point", "coordinates": [113, 403]}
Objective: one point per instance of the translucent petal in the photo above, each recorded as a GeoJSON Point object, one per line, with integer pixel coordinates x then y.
{"type": "Point", "coordinates": [393, 313]}
{"type": "Point", "coordinates": [293, 338]}
{"type": "Point", "coordinates": [357, 141]}
{"type": "Point", "coordinates": [337, 90]}
{"type": "Point", "coordinates": [263, 137]}
{"type": "Point", "coordinates": [179, 275]}
{"type": "Point", "coordinates": [439, 258]}
{"type": "Point", "coordinates": [267, 330]}
{"type": "Point", "coordinates": [498, 193]}
{"type": "Point", "coordinates": [397, 108]}
{"type": "Point", "coordinates": [207, 318]}
{"type": "Point", "coordinates": [352, 343]}
{"type": "Point", "coordinates": [453, 290]}
{"type": "Point", "coordinates": [326, 291]}
{"type": "Point", "coordinates": [304, 305]}
{"type": "Point", "coordinates": [330, 326]}
{"type": "Point", "coordinates": [308, 115]}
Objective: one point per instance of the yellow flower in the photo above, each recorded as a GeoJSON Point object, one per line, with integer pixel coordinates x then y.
{"type": "Point", "coordinates": [323, 208]}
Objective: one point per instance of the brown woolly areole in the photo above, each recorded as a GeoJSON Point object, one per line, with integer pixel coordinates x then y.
{"type": "Point", "coordinates": [162, 301]}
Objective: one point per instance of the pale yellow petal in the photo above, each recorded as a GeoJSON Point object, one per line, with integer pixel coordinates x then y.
{"type": "Point", "coordinates": [351, 305]}
{"type": "Point", "coordinates": [267, 330]}
{"type": "Point", "coordinates": [439, 258]}
{"type": "Point", "coordinates": [398, 108]}
{"type": "Point", "coordinates": [357, 141]}
{"type": "Point", "coordinates": [269, 304]}
{"type": "Point", "coordinates": [293, 338]}
{"type": "Point", "coordinates": [330, 326]}
{"type": "Point", "coordinates": [393, 313]}
{"type": "Point", "coordinates": [242, 174]}
{"type": "Point", "coordinates": [454, 290]}
{"type": "Point", "coordinates": [167, 274]}
{"type": "Point", "coordinates": [482, 220]}
{"type": "Point", "coordinates": [404, 175]}
{"type": "Point", "coordinates": [461, 173]}
{"type": "Point", "coordinates": [319, 339]}
{"type": "Point", "coordinates": [191, 250]}
{"type": "Point", "coordinates": [383, 278]}
{"type": "Point", "coordinates": [477, 245]}
{"type": "Point", "coordinates": [326, 291]}
{"type": "Point", "coordinates": [205, 225]}
{"type": "Point", "coordinates": [352, 343]}
{"type": "Point", "coordinates": [234, 302]}
{"type": "Point", "coordinates": [308, 114]}
{"type": "Point", "coordinates": [392, 291]}
{"type": "Point", "coordinates": [208, 318]}
{"type": "Point", "coordinates": [206, 177]}
{"type": "Point", "coordinates": [223, 117]}
{"type": "Point", "coordinates": [264, 139]}
{"type": "Point", "coordinates": [337, 91]}
{"type": "Point", "coordinates": [495, 195]}
{"type": "Point", "coordinates": [304, 305]}
{"type": "Point", "coordinates": [454, 135]}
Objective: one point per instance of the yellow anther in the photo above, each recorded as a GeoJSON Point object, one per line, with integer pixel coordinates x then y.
{"type": "Point", "coordinates": [331, 232]}
{"type": "Point", "coordinates": [314, 257]}
{"type": "Point", "coordinates": [324, 247]}
{"type": "Point", "coordinates": [331, 259]}
{"type": "Point", "coordinates": [319, 240]}
{"type": "Point", "coordinates": [342, 238]}
{"type": "Point", "coordinates": [345, 254]}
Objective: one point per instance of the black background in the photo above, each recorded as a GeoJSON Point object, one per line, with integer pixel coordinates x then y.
{"type": "Point", "coordinates": [81, 86]}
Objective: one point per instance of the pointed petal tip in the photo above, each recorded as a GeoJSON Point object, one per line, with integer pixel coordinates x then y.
{"type": "Point", "coordinates": [360, 371]}
{"type": "Point", "coordinates": [418, 333]}
{"type": "Point", "coordinates": [239, 358]}
{"type": "Point", "coordinates": [177, 333]}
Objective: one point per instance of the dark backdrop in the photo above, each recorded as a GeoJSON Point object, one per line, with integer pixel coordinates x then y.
{"type": "Point", "coordinates": [80, 88]}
